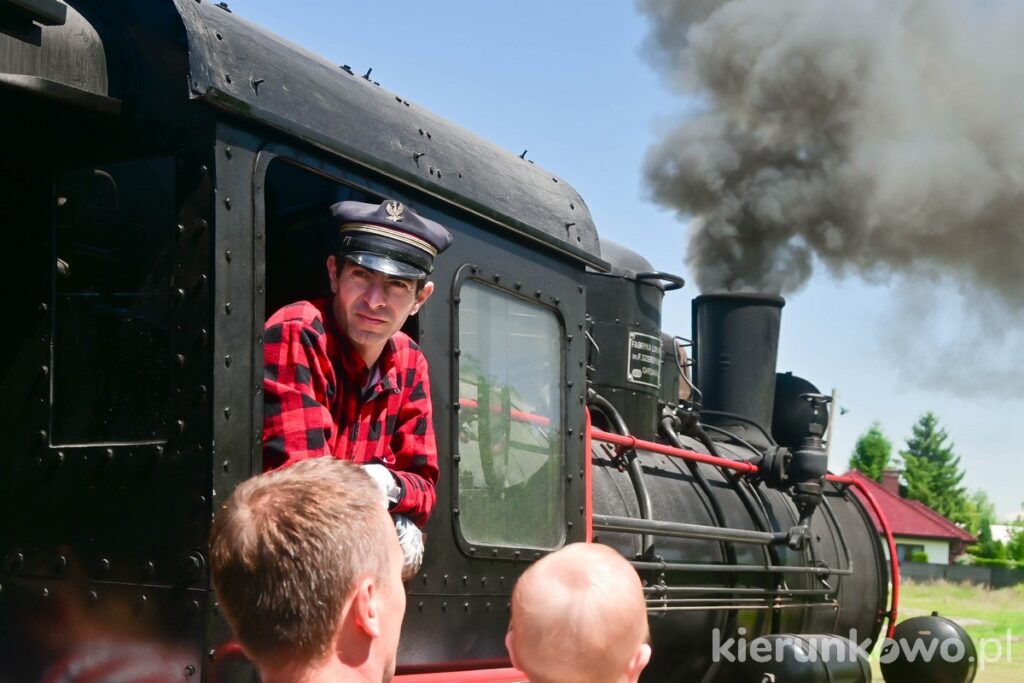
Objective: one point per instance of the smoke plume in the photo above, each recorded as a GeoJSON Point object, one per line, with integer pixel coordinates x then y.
{"type": "Point", "coordinates": [875, 137]}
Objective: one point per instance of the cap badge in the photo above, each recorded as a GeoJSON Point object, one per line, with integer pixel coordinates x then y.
{"type": "Point", "coordinates": [395, 210]}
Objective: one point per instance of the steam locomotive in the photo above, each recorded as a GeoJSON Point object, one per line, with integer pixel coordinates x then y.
{"type": "Point", "coordinates": [162, 160]}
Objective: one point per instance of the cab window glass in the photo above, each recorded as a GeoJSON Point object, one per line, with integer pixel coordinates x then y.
{"type": "Point", "coordinates": [510, 421]}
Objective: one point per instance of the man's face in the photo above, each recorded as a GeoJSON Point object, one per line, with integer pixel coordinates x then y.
{"type": "Point", "coordinates": [393, 599]}
{"type": "Point", "coordinates": [372, 306]}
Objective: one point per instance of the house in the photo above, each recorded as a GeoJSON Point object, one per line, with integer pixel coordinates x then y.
{"type": "Point", "coordinates": [916, 527]}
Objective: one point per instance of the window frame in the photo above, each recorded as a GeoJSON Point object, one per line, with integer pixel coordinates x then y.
{"type": "Point", "coordinates": [57, 401]}
{"type": "Point", "coordinates": [472, 272]}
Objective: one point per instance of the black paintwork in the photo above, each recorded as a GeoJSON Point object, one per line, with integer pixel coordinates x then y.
{"type": "Point", "coordinates": [112, 471]}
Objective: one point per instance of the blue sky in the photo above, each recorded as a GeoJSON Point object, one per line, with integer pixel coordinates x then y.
{"type": "Point", "coordinates": [568, 82]}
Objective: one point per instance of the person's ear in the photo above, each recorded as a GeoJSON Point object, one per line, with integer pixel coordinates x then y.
{"type": "Point", "coordinates": [332, 272]}
{"type": "Point", "coordinates": [511, 648]}
{"type": "Point", "coordinates": [637, 663]}
{"type": "Point", "coordinates": [422, 296]}
{"type": "Point", "coordinates": [367, 608]}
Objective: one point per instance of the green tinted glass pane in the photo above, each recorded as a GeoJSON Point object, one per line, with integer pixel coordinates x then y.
{"type": "Point", "coordinates": [510, 427]}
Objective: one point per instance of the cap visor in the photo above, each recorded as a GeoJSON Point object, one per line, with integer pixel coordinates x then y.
{"type": "Point", "coordinates": [383, 264]}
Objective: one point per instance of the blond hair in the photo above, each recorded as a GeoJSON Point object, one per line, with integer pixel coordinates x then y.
{"type": "Point", "coordinates": [286, 551]}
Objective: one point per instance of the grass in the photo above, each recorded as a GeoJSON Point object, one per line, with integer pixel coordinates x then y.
{"type": "Point", "coordinates": [985, 614]}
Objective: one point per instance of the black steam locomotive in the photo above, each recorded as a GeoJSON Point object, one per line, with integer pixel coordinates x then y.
{"type": "Point", "coordinates": [162, 159]}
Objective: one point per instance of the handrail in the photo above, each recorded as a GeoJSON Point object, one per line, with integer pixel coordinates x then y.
{"type": "Point", "coordinates": [894, 567]}
{"type": "Point", "coordinates": [749, 469]}
{"type": "Point", "coordinates": [518, 415]}
{"type": "Point", "coordinates": [227, 651]}
{"type": "Point", "coordinates": [746, 468]}
{"type": "Point", "coordinates": [507, 675]}
{"type": "Point", "coordinates": [684, 530]}
{"type": "Point", "coordinates": [633, 442]}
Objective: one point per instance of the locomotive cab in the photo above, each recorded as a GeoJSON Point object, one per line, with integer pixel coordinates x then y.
{"type": "Point", "coordinates": [162, 199]}
{"type": "Point", "coordinates": [161, 195]}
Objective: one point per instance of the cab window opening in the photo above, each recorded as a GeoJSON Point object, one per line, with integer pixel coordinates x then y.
{"type": "Point", "coordinates": [299, 239]}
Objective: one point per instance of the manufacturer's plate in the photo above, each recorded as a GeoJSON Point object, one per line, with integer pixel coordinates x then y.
{"type": "Point", "coordinates": [644, 364]}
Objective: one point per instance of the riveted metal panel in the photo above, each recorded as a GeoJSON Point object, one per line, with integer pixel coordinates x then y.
{"type": "Point", "coordinates": [94, 519]}
{"type": "Point", "coordinates": [236, 343]}
{"type": "Point", "coordinates": [243, 69]}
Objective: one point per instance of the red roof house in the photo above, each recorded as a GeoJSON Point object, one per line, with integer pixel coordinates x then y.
{"type": "Point", "coordinates": [916, 527]}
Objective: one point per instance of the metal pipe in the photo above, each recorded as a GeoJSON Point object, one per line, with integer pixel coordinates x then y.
{"type": "Point", "coordinates": [668, 430]}
{"type": "Point", "coordinates": [894, 567]}
{"type": "Point", "coordinates": [738, 568]}
{"type": "Point", "coordinates": [736, 416]}
{"type": "Point", "coordinates": [740, 486]}
{"type": "Point", "coordinates": [684, 530]}
{"type": "Point", "coordinates": [783, 592]}
{"type": "Point", "coordinates": [738, 439]}
{"type": "Point", "coordinates": [636, 473]}
{"type": "Point", "coordinates": [633, 442]}
{"type": "Point", "coordinates": [704, 608]}
{"type": "Point", "coordinates": [708, 602]}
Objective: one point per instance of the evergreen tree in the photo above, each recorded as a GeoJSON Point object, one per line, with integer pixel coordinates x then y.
{"type": "Point", "coordinates": [933, 471]}
{"type": "Point", "coordinates": [872, 453]}
{"type": "Point", "coordinates": [980, 515]}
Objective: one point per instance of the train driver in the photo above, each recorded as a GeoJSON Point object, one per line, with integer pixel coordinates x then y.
{"type": "Point", "coordinates": [341, 379]}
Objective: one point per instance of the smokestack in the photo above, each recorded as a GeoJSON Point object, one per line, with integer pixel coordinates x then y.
{"type": "Point", "coordinates": [737, 341]}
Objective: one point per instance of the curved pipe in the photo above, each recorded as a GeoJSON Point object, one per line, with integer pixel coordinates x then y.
{"type": "Point", "coordinates": [894, 567]}
{"type": "Point", "coordinates": [741, 490]}
{"type": "Point", "coordinates": [636, 473]}
{"type": "Point", "coordinates": [669, 432]}
{"type": "Point", "coordinates": [743, 419]}
{"type": "Point", "coordinates": [741, 441]}
{"type": "Point", "coordinates": [673, 282]}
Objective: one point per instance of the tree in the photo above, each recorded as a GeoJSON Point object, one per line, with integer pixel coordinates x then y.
{"type": "Point", "coordinates": [1015, 547]}
{"type": "Point", "coordinates": [933, 471]}
{"type": "Point", "coordinates": [980, 515]}
{"type": "Point", "coordinates": [872, 453]}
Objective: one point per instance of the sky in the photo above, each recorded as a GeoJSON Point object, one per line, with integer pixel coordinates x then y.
{"type": "Point", "coordinates": [569, 82]}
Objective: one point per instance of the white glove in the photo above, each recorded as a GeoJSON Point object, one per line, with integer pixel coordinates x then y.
{"type": "Point", "coordinates": [411, 539]}
{"type": "Point", "coordinates": [386, 482]}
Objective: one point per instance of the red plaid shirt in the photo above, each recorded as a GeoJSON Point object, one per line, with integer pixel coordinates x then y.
{"type": "Point", "coordinates": [315, 404]}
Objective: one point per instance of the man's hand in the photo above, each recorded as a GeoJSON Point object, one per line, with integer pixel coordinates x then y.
{"type": "Point", "coordinates": [386, 482]}
{"type": "Point", "coordinates": [411, 539]}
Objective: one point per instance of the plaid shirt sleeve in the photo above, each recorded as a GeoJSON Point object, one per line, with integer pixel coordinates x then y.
{"type": "Point", "coordinates": [413, 443]}
{"type": "Point", "coordinates": [298, 385]}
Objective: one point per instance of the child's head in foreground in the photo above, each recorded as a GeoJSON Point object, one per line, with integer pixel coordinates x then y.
{"type": "Point", "coordinates": [579, 615]}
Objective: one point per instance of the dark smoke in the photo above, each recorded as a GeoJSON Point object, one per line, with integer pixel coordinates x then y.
{"type": "Point", "coordinates": [876, 137]}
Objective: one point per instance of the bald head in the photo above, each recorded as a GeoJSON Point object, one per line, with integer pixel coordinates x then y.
{"type": "Point", "coordinates": [579, 615]}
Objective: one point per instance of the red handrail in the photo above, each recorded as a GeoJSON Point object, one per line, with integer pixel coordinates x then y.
{"type": "Point", "coordinates": [749, 468]}
{"type": "Point", "coordinates": [633, 442]}
{"type": "Point", "coordinates": [588, 482]}
{"type": "Point", "coordinates": [894, 566]}
{"type": "Point", "coordinates": [478, 676]}
{"type": "Point", "coordinates": [226, 652]}
{"type": "Point", "coordinates": [515, 414]}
